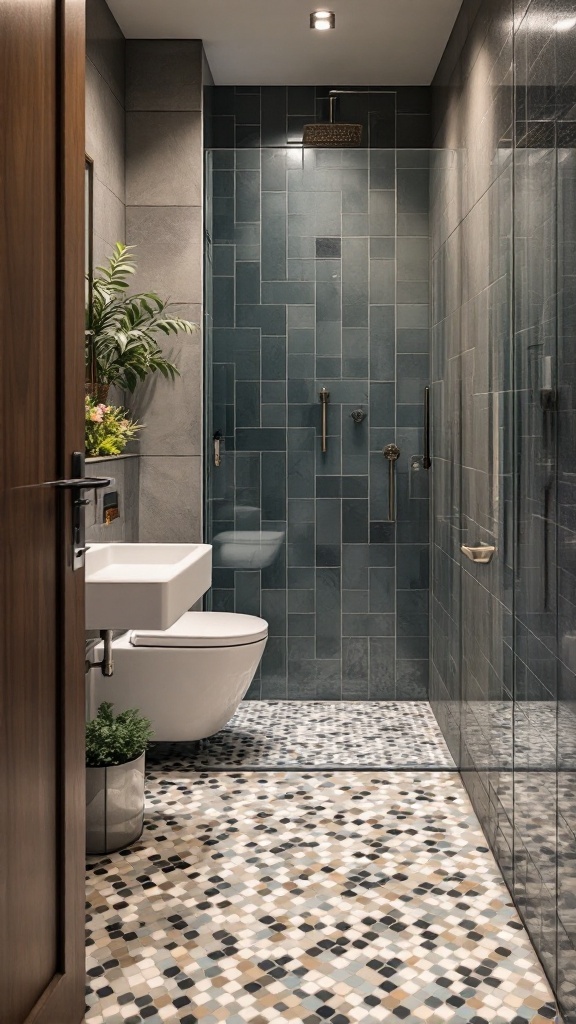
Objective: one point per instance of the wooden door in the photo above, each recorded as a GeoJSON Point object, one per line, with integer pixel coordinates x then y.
{"type": "Point", "coordinates": [41, 424]}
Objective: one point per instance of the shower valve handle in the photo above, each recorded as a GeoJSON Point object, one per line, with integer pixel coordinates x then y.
{"type": "Point", "coordinates": [392, 453]}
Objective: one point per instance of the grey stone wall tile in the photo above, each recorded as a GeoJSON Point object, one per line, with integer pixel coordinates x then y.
{"type": "Point", "coordinates": [169, 509]}
{"type": "Point", "coordinates": [164, 164]}
{"type": "Point", "coordinates": [105, 131]}
{"type": "Point", "coordinates": [164, 74]}
{"type": "Point", "coordinates": [169, 241]}
{"type": "Point", "coordinates": [172, 410]}
{"type": "Point", "coordinates": [109, 215]}
{"type": "Point", "coordinates": [105, 46]}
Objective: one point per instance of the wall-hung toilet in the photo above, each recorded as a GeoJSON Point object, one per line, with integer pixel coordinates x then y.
{"type": "Point", "coordinates": [187, 679]}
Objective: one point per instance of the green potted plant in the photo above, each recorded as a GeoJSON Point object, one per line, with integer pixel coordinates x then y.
{"type": "Point", "coordinates": [121, 329]}
{"type": "Point", "coordinates": [115, 759]}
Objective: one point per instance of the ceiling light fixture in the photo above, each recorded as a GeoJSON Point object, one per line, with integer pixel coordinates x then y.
{"type": "Point", "coordinates": [322, 20]}
{"type": "Point", "coordinates": [565, 24]}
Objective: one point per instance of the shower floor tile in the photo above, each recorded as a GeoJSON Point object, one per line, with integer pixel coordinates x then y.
{"type": "Point", "coordinates": [344, 897]}
{"type": "Point", "coordinates": [317, 734]}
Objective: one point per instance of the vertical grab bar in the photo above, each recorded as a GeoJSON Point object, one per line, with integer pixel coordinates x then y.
{"type": "Point", "coordinates": [426, 460]}
{"type": "Point", "coordinates": [392, 453]}
{"type": "Point", "coordinates": [324, 396]}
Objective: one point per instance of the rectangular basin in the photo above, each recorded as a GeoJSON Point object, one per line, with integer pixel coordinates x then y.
{"type": "Point", "coordinates": [146, 586]}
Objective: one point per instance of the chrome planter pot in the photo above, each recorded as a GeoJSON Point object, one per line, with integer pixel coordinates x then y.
{"type": "Point", "coordinates": [114, 806]}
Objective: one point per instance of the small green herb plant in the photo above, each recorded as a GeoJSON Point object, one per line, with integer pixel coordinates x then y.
{"type": "Point", "coordinates": [115, 739]}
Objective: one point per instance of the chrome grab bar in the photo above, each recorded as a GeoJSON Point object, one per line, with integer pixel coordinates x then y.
{"type": "Point", "coordinates": [483, 553]}
{"type": "Point", "coordinates": [392, 453]}
{"type": "Point", "coordinates": [324, 396]}
{"type": "Point", "coordinates": [426, 460]}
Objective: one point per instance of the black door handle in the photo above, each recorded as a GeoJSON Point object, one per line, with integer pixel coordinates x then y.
{"type": "Point", "coordinates": [81, 483]}
{"type": "Point", "coordinates": [77, 484]}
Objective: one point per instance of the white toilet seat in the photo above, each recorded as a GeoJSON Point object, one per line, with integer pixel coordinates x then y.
{"type": "Point", "coordinates": [188, 679]}
{"type": "Point", "coordinates": [204, 629]}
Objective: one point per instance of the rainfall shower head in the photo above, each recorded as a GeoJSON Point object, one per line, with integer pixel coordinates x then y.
{"type": "Point", "coordinates": [330, 134]}
{"type": "Point", "coordinates": [337, 134]}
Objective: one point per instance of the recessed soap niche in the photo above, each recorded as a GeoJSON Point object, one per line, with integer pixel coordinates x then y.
{"type": "Point", "coordinates": [113, 512]}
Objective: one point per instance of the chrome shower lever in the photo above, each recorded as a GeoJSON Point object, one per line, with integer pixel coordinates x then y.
{"type": "Point", "coordinates": [324, 396]}
{"type": "Point", "coordinates": [392, 453]}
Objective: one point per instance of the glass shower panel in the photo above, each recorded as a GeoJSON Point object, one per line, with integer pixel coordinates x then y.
{"type": "Point", "coordinates": [472, 419]}
{"type": "Point", "coordinates": [321, 267]}
{"type": "Point", "coordinates": [487, 512]}
{"type": "Point", "coordinates": [446, 430]}
{"type": "Point", "coordinates": [536, 608]}
{"type": "Point", "coordinates": [564, 402]}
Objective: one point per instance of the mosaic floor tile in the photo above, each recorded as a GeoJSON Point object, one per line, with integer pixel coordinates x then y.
{"type": "Point", "coordinates": [532, 735]}
{"type": "Point", "coordinates": [308, 896]}
{"type": "Point", "coordinates": [324, 734]}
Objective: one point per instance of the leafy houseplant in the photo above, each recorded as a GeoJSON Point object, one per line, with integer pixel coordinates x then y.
{"type": "Point", "coordinates": [121, 329]}
{"type": "Point", "coordinates": [113, 740]}
{"type": "Point", "coordinates": [115, 755]}
{"type": "Point", "coordinates": [108, 428]}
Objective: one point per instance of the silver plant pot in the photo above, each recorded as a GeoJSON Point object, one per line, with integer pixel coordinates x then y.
{"type": "Point", "coordinates": [114, 806]}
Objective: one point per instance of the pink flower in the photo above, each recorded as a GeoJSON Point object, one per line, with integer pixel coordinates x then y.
{"type": "Point", "coordinates": [96, 415]}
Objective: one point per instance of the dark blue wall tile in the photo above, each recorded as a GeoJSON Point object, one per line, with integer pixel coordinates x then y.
{"type": "Point", "coordinates": [247, 283]}
{"type": "Point", "coordinates": [253, 440]}
{"type": "Point", "coordinates": [273, 485]}
{"type": "Point", "coordinates": [382, 343]}
{"type": "Point", "coordinates": [355, 282]}
{"type": "Point", "coordinates": [248, 135]}
{"type": "Point", "coordinates": [355, 521]}
{"type": "Point", "coordinates": [248, 403]}
{"type": "Point", "coordinates": [274, 114]}
{"type": "Point", "coordinates": [328, 635]}
{"type": "Point", "coordinates": [274, 236]}
{"type": "Point", "coordinates": [247, 107]}
{"type": "Point", "coordinates": [382, 676]}
{"type": "Point", "coordinates": [381, 589]}
{"type": "Point", "coordinates": [223, 302]}
{"type": "Point", "coordinates": [273, 360]}
{"type": "Point", "coordinates": [368, 625]}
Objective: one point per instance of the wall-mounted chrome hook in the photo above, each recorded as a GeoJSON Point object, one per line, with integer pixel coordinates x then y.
{"type": "Point", "coordinates": [358, 415]}
{"type": "Point", "coordinates": [392, 453]}
{"type": "Point", "coordinates": [324, 396]}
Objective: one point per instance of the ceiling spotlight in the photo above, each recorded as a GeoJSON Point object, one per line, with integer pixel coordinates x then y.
{"type": "Point", "coordinates": [322, 20]}
{"type": "Point", "coordinates": [565, 24]}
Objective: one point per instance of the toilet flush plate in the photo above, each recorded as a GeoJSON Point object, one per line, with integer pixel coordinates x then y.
{"type": "Point", "coordinates": [145, 586]}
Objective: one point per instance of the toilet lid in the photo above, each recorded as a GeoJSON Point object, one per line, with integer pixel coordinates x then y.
{"type": "Point", "coordinates": [204, 629]}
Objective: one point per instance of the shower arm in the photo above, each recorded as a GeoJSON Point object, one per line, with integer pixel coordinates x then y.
{"type": "Point", "coordinates": [335, 93]}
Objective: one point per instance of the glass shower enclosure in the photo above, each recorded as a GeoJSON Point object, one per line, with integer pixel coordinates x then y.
{"type": "Point", "coordinates": [317, 351]}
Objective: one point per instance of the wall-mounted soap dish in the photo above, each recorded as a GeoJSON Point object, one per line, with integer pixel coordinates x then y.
{"type": "Point", "coordinates": [482, 554]}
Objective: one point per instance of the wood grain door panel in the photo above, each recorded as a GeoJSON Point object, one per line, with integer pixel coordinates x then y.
{"type": "Point", "coordinates": [41, 423]}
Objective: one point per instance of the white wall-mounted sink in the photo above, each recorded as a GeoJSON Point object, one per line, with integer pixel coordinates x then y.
{"type": "Point", "coordinates": [145, 586]}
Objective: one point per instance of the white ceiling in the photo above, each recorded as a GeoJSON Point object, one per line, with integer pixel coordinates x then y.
{"type": "Point", "coordinates": [269, 42]}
